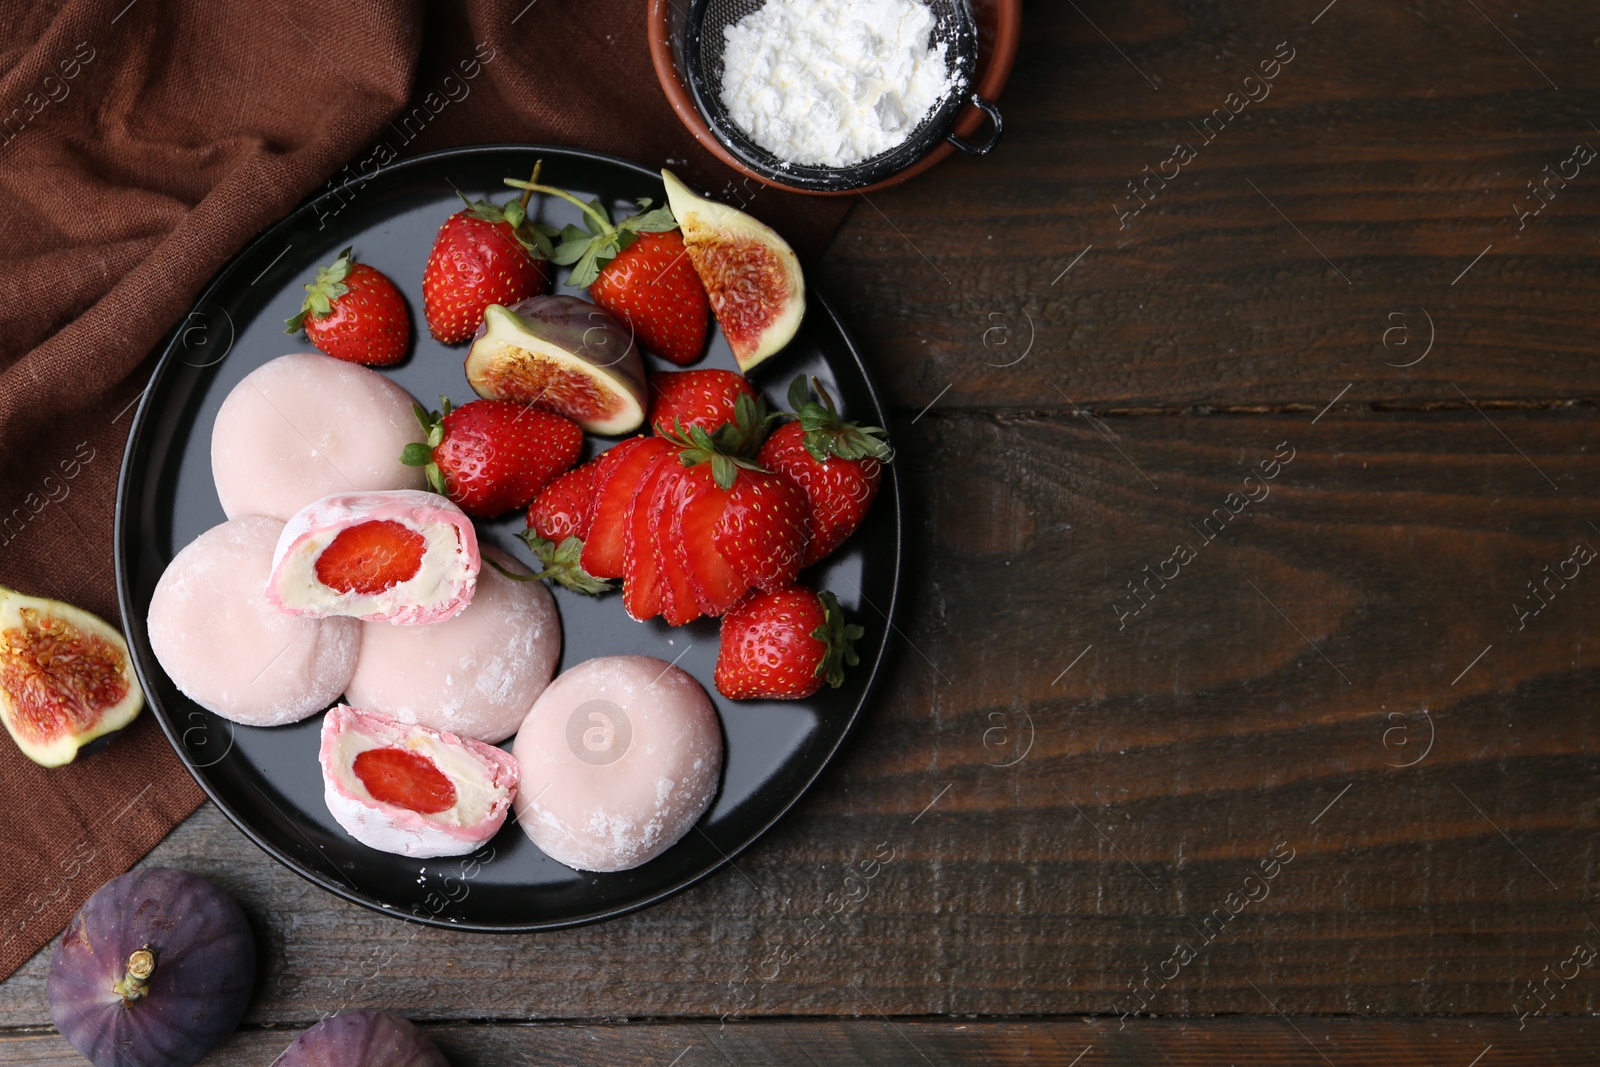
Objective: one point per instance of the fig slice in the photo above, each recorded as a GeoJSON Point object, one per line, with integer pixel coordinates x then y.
{"type": "Point", "coordinates": [565, 355]}
{"type": "Point", "coordinates": [65, 677]}
{"type": "Point", "coordinates": [751, 274]}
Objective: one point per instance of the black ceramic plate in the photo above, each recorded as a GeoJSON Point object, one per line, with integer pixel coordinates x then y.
{"type": "Point", "coordinates": [267, 780]}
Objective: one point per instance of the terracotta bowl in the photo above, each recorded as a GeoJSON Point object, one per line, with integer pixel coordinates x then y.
{"type": "Point", "coordinates": [999, 27]}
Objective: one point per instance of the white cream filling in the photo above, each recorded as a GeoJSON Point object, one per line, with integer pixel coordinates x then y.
{"type": "Point", "coordinates": [476, 796]}
{"type": "Point", "coordinates": [436, 582]}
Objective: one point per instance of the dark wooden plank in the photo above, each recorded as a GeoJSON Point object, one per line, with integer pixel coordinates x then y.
{"type": "Point", "coordinates": [1029, 841]}
{"type": "Point", "coordinates": [1397, 141]}
{"type": "Point", "coordinates": [1220, 1042]}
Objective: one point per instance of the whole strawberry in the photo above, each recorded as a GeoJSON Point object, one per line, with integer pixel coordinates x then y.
{"type": "Point", "coordinates": [686, 398]}
{"type": "Point", "coordinates": [561, 510]}
{"type": "Point", "coordinates": [652, 286]}
{"type": "Point", "coordinates": [639, 270]}
{"type": "Point", "coordinates": [493, 456]}
{"type": "Point", "coordinates": [783, 645]}
{"type": "Point", "coordinates": [839, 465]}
{"type": "Point", "coordinates": [484, 254]}
{"type": "Point", "coordinates": [354, 312]}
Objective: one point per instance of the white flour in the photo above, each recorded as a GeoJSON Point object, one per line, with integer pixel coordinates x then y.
{"type": "Point", "coordinates": [832, 82]}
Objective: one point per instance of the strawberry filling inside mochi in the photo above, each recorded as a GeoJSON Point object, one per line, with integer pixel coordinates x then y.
{"type": "Point", "coordinates": [403, 556]}
{"type": "Point", "coordinates": [370, 557]}
{"type": "Point", "coordinates": [413, 791]}
{"type": "Point", "coordinates": [403, 778]}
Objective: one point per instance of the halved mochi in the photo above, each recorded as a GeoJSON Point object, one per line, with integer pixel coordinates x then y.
{"type": "Point", "coordinates": [306, 425]}
{"type": "Point", "coordinates": [230, 650]}
{"type": "Point", "coordinates": [476, 674]}
{"type": "Point", "coordinates": [620, 756]}
{"type": "Point", "coordinates": [410, 790]}
{"type": "Point", "coordinates": [403, 556]}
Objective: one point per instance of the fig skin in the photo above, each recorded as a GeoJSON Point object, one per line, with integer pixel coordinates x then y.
{"type": "Point", "coordinates": [582, 338]}
{"type": "Point", "coordinates": [362, 1039]}
{"type": "Point", "coordinates": [204, 970]}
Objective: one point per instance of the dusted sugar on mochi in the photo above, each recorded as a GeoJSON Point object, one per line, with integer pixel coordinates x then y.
{"type": "Point", "coordinates": [620, 757]}
{"type": "Point", "coordinates": [403, 556]}
{"type": "Point", "coordinates": [305, 426]}
{"type": "Point", "coordinates": [228, 649]}
{"type": "Point", "coordinates": [410, 790]}
{"type": "Point", "coordinates": [476, 674]}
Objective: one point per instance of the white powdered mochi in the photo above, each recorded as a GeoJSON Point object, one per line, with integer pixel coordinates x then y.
{"type": "Point", "coordinates": [306, 426]}
{"type": "Point", "coordinates": [232, 652]}
{"type": "Point", "coordinates": [620, 757]}
{"type": "Point", "coordinates": [475, 674]}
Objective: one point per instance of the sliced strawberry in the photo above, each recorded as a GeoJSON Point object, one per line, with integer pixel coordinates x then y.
{"type": "Point", "coordinates": [641, 580]}
{"type": "Point", "coordinates": [715, 585]}
{"type": "Point", "coordinates": [369, 557]}
{"type": "Point", "coordinates": [561, 510]}
{"type": "Point", "coordinates": [405, 779]}
{"type": "Point", "coordinates": [603, 550]}
{"type": "Point", "coordinates": [678, 602]}
{"type": "Point", "coordinates": [764, 529]}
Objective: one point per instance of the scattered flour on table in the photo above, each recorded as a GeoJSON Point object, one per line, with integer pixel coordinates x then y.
{"type": "Point", "coordinates": [832, 82]}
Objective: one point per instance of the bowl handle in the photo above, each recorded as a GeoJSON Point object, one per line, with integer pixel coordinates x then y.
{"type": "Point", "coordinates": [994, 135]}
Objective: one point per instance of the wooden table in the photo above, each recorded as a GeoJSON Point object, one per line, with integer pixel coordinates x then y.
{"type": "Point", "coordinates": [1248, 665]}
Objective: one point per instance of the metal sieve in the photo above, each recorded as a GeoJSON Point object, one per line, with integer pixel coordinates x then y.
{"type": "Point", "coordinates": [703, 42]}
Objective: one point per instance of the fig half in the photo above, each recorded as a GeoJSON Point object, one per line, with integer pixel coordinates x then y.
{"type": "Point", "coordinates": [564, 355]}
{"type": "Point", "coordinates": [65, 677]}
{"type": "Point", "coordinates": [751, 274]}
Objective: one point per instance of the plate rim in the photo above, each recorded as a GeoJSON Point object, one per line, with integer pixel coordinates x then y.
{"type": "Point", "coordinates": [121, 531]}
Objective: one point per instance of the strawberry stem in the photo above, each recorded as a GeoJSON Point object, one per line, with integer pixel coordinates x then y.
{"type": "Point", "coordinates": [606, 228]}
{"type": "Point", "coordinates": [527, 194]}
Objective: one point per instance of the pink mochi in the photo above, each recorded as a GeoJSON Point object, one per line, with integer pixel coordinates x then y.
{"type": "Point", "coordinates": [442, 586]}
{"type": "Point", "coordinates": [475, 674]}
{"type": "Point", "coordinates": [484, 779]}
{"type": "Point", "coordinates": [231, 651]}
{"type": "Point", "coordinates": [307, 425]}
{"type": "Point", "coordinates": [620, 757]}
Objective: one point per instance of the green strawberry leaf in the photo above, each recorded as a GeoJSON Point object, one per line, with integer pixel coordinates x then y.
{"type": "Point", "coordinates": [743, 436]}
{"type": "Point", "coordinates": [561, 564]}
{"type": "Point", "coordinates": [587, 268]}
{"type": "Point", "coordinates": [799, 395]}
{"type": "Point", "coordinates": [840, 637]}
{"type": "Point", "coordinates": [827, 435]}
{"type": "Point", "coordinates": [696, 446]}
{"type": "Point", "coordinates": [575, 240]}
{"type": "Point", "coordinates": [328, 286]}
{"type": "Point", "coordinates": [658, 221]}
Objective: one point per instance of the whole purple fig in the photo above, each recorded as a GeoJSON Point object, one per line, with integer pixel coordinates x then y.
{"type": "Point", "coordinates": [155, 969]}
{"type": "Point", "coordinates": [362, 1039]}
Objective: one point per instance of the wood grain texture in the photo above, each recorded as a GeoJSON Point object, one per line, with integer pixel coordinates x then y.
{"type": "Point", "coordinates": [1224, 1042]}
{"type": "Point", "coordinates": [1028, 841]}
{"type": "Point", "coordinates": [1394, 144]}
{"type": "Point", "coordinates": [1071, 791]}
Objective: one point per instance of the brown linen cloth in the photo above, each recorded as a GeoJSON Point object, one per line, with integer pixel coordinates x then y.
{"type": "Point", "coordinates": [141, 145]}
